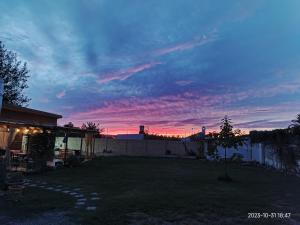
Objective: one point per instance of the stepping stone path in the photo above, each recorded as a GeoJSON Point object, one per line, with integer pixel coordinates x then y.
{"type": "Point", "coordinates": [83, 200]}
{"type": "Point", "coordinates": [79, 196]}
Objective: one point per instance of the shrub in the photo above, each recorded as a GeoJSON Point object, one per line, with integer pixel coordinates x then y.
{"type": "Point", "coordinates": [237, 157]}
{"type": "Point", "coordinates": [168, 152]}
{"type": "Point", "coordinates": [73, 161]}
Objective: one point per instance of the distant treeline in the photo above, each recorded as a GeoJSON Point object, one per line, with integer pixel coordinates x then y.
{"type": "Point", "coordinates": [161, 137]}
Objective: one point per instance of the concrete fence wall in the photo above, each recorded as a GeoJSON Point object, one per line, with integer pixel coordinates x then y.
{"type": "Point", "coordinates": [132, 147]}
{"type": "Point", "coordinates": [143, 147]}
{"type": "Point", "coordinates": [159, 148]}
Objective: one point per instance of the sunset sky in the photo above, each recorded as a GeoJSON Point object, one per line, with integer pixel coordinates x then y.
{"type": "Point", "coordinates": [172, 65]}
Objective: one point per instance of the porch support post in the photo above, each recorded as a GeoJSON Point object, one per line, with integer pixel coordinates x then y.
{"type": "Point", "coordinates": [81, 143]}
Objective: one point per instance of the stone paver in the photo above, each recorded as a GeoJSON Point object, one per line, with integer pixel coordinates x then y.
{"type": "Point", "coordinates": [73, 193]}
{"type": "Point", "coordinates": [76, 193]}
{"type": "Point", "coordinates": [91, 208]}
{"type": "Point", "coordinates": [80, 203]}
{"type": "Point", "coordinates": [94, 193]}
{"type": "Point", "coordinates": [79, 196]}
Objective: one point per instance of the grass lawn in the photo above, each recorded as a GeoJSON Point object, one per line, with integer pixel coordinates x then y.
{"type": "Point", "coordinates": [166, 191]}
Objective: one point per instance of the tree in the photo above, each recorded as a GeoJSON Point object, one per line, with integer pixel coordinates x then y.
{"type": "Point", "coordinates": [295, 126]}
{"type": "Point", "coordinates": [92, 129]}
{"type": "Point", "coordinates": [41, 148]}
{"type": "Point", "coordinates": [284, 144]}
{"type": "Point", "coordinates": [14, 74]}
{"type": "Point", "coordinates": [228, 138]}
{"type": "Point", "coordinates": [296, 122]}
{"type": "Point", "coordinates": [91, 126]}
{"type": "Point", "coordinates": [212, 149]}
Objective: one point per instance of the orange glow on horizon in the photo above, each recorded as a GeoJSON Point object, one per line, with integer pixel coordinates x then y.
{"type": "Point", "coordinates": [181, 132]}
{"type": "Point", "coordinates": [166, 131]}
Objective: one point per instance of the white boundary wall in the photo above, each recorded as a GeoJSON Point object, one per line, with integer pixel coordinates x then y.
{"type": "Point", "coordinates": [116, 147]}
{"type": "Point", "coordinates": [158, 148]}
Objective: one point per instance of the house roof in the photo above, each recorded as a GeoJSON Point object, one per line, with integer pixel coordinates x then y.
{"type": "Point", "coordinates": [28, 110]}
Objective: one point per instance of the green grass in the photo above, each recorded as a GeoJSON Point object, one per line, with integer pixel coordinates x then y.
{"type": "Point", "coordinates": [172, 190]}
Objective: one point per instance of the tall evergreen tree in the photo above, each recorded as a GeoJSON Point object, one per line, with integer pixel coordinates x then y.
{"type": "Point", "coordinates": [14, 74]}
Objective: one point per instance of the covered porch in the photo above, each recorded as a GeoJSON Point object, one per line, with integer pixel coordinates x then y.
{"type": "Point", "coordinates": [23, 147]}
{"type": "Point", "coordinates": [31, 148]}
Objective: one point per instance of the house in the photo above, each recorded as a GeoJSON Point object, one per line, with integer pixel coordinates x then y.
{"type": "Point", "coordinates": [17, 126]}
{"type": "Point", "coordinates": [139, 136]}
{"type": "Point", "coordinates": [17, 123]}
{"type": "Point", "coordinates": [11, 114]}
{"type": "Point", "coordinates": [130, 136]}
{"type": "Point", "coordinates": [196, 137]}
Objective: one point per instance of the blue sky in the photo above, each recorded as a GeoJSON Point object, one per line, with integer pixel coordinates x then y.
{"type": "Point", "coordinates": [173, 65]}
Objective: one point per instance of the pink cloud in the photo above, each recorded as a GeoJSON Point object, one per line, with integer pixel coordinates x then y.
{"type": "Point", "coordinates": [179, 113]}
{"type": "Point", "coordinates": [126, 73]}
{"type": "Point", "coordinates": [159, 113]}
{"type": "Point", "coordinates": [183, 82]}
{"type": "Point", "coordinates": [61, 94]}
{"type": "Point", "coordinates": [186, 46]}
{"type": "Point", "coordinates": [182, 112]}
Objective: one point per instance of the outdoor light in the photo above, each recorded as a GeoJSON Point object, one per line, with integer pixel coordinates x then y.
{"type": "Point", "coordinates": [17, 130]}
{"type": "Point", "coordinates": [25, 131]}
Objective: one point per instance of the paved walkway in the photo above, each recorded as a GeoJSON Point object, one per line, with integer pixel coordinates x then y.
{"type": "Point", "coordinates": [87, 201]}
